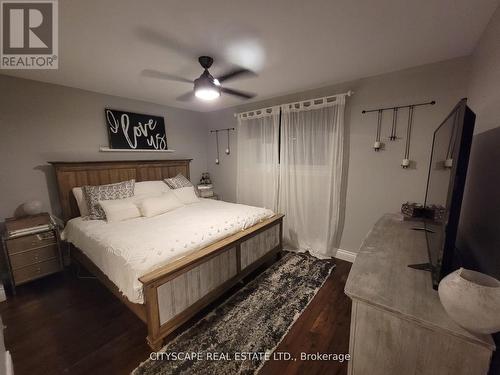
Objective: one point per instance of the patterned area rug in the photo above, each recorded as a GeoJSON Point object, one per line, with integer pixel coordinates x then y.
{"type": "Point", "coordinates": [238, 336]}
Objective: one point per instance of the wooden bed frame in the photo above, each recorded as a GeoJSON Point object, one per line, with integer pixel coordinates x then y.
{"type": "Point", "coordinates": [177, 291]}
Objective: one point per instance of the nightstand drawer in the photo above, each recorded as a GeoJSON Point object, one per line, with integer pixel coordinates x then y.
{"type": "Point", "coordinates": [36, 270]}
{"type": "Point", "coordinates": [33, 241]}
{"type": "Point", "coordinates": [26, 258]}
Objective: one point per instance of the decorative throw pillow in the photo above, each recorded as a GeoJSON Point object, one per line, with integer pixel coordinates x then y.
{"type": "Point", "coordinates": [153, 206]}
{"type": "Point", "coordinates": [151, 188]}
{"type": "Point", "coordinates": [94, 194]}
{"type": "Point", "coordinates": [186, 195]}
{"type": "Point", "coordinates": [178, 182]}
{"type": "Point", "coordinates": [120, 209]}
{"type": "Point", "coordinates": [80, 201]}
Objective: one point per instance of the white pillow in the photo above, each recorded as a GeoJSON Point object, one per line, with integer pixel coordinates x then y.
{"type": "Point", "coordinates": [120, 209]}
{"type": "Point", "coordinates": [151, 188]}
{"type": "Point", "coordinates": [80, 201]}
{"type": "Point", "coordinates": [186, 195]}
{"type": "Point", "coordinates": [153, 206]}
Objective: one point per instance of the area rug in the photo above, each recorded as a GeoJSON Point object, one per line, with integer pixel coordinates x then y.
{"type": "Point", "coordinates": [239, 336]}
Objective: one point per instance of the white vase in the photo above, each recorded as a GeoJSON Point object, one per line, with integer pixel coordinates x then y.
{"type": "Point", "coordinates": [472, 300]}
{"type": "Point", "coordinates": [32, 207]}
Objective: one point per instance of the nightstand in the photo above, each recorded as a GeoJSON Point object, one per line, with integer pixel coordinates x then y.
{"type": "Point", "coordinates": [29, 255]}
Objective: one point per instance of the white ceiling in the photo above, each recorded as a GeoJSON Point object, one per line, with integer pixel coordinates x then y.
{"type": "Point", "coordinates": [293, 45]}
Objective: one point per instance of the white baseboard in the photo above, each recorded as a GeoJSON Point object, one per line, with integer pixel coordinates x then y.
{"type": "Point", "coordinates": [346, 255]}
{"type": "Point", "coordinates": [3, 297]}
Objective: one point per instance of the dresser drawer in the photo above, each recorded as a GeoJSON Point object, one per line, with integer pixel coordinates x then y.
{"type": "Point", "coordinates": [32, 241]}
{"type": "Point", "coordinates": [35, 271]}
{"type": "Point", "coordinates": [29, 257]}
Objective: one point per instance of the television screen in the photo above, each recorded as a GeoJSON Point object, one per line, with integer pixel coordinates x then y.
{"type": "Point", "coordinates": [445, 187]}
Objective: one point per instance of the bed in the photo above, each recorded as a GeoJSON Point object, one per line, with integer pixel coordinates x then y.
{"type": "Point", "coordinates": [189, 257]}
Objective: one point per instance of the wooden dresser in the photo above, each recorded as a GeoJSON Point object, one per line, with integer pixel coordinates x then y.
{"type": "Point", "coordinates": [398, 325]}
{"type": "Point", "coordinates": [31, 256]}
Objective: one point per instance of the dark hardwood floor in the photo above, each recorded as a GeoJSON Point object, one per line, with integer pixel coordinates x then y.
{"type": "Point", "coordinates": [65, 325]}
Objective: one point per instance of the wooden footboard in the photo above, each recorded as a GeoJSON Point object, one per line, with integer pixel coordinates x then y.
{"type": "Point", "coordinates": [176, 292]}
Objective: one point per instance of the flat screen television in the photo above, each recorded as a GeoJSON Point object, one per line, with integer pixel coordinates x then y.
{"type": "Point", "coordinates": [445, 188]}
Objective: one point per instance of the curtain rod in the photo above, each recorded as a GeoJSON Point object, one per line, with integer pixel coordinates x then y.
{"type": "Point", "coordinates": [348, 93]}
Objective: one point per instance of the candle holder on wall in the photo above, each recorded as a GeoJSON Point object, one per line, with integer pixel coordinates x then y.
{"type": "Point", "coordinates": [228, 149]}
{"type": "Point", "coordinates": [377, 145]}
{"type": "Point", "coordinates": [393, 135]}
{"type": "Point", "coordinates": [405, 163]}
{"type": "Point", "coordinates": [217, 142]}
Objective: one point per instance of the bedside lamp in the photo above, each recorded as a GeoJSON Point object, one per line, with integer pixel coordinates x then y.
{"type": "Point", "coordinates": [33, 207]}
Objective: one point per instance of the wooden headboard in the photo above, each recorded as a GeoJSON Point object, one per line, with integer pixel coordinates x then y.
{"type": "Point", "coordinates": [75, 174]}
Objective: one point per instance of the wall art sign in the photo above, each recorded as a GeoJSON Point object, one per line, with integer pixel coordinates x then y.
{"type": "Point", "coordinates": [135, 131]}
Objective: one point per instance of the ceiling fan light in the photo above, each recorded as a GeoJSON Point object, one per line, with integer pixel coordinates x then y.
{"type": "Point", "coordinates": [207, 93]}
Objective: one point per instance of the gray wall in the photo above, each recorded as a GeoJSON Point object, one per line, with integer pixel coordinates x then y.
{"type": "Point", "coordinates": [41, 122]}
{"type": "Point", "coordinates": [484, 85]}
{"type": "Point", "coordinates": [375, 182]}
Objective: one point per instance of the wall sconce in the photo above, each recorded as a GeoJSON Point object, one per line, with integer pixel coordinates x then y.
{"type": "Point", "coordinates": [228, 149]}
{"type": "Point", "coordinates": [217, 142]}
{"type": "Point", "coordinates": [393, 135]}
{"type": "Point", "coordinates": [377, 145]}
{"type": "Point", "coordinates": [405, 163]}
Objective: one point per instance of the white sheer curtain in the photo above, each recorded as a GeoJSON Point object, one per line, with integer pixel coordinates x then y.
{"type": "Point", "coordinates": [310, 173]}
{"type": "Point", "coordinates": [257, 149]}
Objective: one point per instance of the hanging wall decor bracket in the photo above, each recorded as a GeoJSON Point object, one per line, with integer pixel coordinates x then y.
{"type": "Point", "coordinates": [406, 162]}
{"type": "Point", "coordinates": [228, 149]}
{"type": "Point", "coordinates": [221, 130]}
{"type": "Point", "coordinates": [398, 107]}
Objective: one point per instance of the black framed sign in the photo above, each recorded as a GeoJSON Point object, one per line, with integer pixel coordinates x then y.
{"type": "Point", "coordinates": [135, 131]}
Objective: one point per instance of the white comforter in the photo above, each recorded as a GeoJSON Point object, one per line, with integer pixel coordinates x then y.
{"type": "Point", "coordinates": [126, 250]}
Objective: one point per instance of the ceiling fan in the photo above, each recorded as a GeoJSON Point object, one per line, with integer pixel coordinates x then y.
{"type": "Point", "coordinates": [206, 86]}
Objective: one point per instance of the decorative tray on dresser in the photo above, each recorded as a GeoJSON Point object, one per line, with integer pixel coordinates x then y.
{"type": "Point", "coordinates": [31, 248]}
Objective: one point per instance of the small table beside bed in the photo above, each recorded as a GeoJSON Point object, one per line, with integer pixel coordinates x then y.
{"type": "Point", "coordinates": [166, 267]}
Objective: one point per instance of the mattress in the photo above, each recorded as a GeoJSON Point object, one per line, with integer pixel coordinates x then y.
{"type": "Point", "coordinates": [127, 250]}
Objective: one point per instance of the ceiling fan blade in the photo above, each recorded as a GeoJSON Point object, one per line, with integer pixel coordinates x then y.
{"type": "Point", "coordinates": [241, 94]}
{"type": "Point", "coordinates": [235, 73]}
{"type": "Point", "coordinates": [185, 97]}
{"type": "Point", "coordinates": [161, 75]}
{"type": "Point", "coordinates": [164, 41]}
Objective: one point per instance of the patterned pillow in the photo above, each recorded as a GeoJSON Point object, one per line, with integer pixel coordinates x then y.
{"type": "Point", "coordinates": [94, 194]}
{"type": "Point", "coordinates": [177, 182]}
{"type": "Point", "coordinates": [180, 181]}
